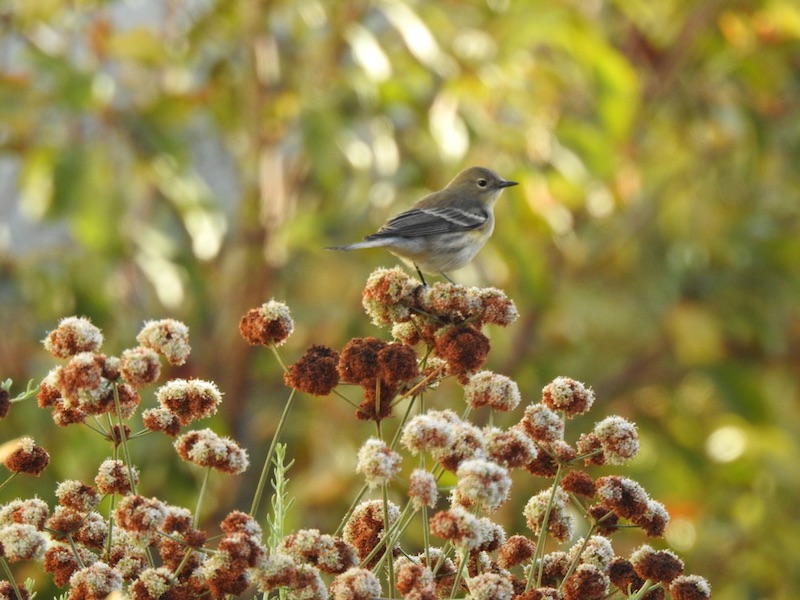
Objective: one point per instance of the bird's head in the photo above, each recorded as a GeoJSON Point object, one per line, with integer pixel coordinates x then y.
{"type": "Point", "coordinates": [481, 182]}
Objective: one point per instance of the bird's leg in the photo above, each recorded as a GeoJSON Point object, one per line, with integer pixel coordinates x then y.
{"type": "Point", "coordinates": [421, 276]}
{"type": "Point", "coordinates": [448, 279]}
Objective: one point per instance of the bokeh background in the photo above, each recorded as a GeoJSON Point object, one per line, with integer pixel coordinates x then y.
{"type": "Point", "coordinates": [192, 158]}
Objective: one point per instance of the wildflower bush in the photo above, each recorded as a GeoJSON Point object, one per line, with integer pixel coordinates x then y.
{"type": "Point", "coordinates": [103, 537]}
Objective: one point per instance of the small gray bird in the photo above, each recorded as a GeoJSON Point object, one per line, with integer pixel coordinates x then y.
{"type": "Point", "coordinates": [444, 230]}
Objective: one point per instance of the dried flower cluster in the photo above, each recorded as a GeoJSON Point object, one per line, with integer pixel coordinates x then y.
{"type": "Point", "coordinates": [148, 549]}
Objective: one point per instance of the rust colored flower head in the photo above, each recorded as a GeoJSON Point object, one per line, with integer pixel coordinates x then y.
{"type": "Point", "coordinates": [542, 423]}
{"type": "Point", "coordinates": [490, 586]}
{"type": "Point", "coordinates": [496, 307]}
{"type": "Point", "coordinates": [126, 555]}
{"type": "Point", "coordinates": [389, 296]}
{"type": "Point", "coordinates": [377, 402]}
{"type": "Point", "coordinates": [244, 551]}
{"type": "Point", "coordinates": [464, 348]}
{"type": "Point", "coordinates": [64, 521]}
{"type": "Point", "coordinates": [510, 448]}
{"type": "Point", "coordinates": [206, 449]}
{"type": "Point", "coordinates": [365, 528]}
{"type": "Point", "coordinates": [578, 483]}
{"type": "Point", "coordinates": [64, 415]}
{"type": "Point", "coordinates": [27, 458]}
{"type": "Point", "coordinates": [152, 583]}
{"type": "Point", "coordinates": [113, 477]}
{"type": "Point", "coordinates": [278, 570]}
{"type": "Point", "coordinates": [623, 496]}
{"type": "Point", "coordinates": [568, 395]}
{"type": "Point", "coordinates": [397, 364]}
{"type": "Point", "coordinates": [596, 551]}
{"type": "Point", "coordinates": [459, 526]}
{"type": "Point", "coordinates": [483, 483]}
{"type": "Point", "coordinates": [49, 393]}
{"type": "Point", "coordinates": [161, 419]}
{"type": "Point", "coordinates": [140, 515]}
{"type": "Point", "coordinates": [5, 402]}
{"type": "Point", "coordinates": [238, 522]}
{"type": "Point", "coordinates": [32, 511]}
{"type": "Point", "coordinates": [358, 362]}
{"type": "Point", "coordinates": [407, 333]}
{"type": "Point", "coordinates": [81, 382]}
{"type": "Point", "coordinates": [355, 584]}
{"type": "Point", "coordinates": [657, 565]}
{"type": "Point", "coordinates": [377, 462]}
{"type": "Point", "coordinates": [21, 542]}
{"type": "Point", "coordinates": [493, 536]}
{"type": "Point", "coordinates": [689, 587]}
{"type": "Point", "coordinates": [189, 399]}
{"type": "Point", "coordinates": [72, 336]}
{"type": "Point", "coordinates": [449, 302]}
{"type": "Point", "coordinates": [431, 432]}
{"type": "Point", "coordinates": [270, 323]}
{"type": "Point", "coordinates": [326, 552]}
{"type": "Point", "coordinates": [624, 576]}
{"type": "Point", "coordinates": [467, 444]}
{"type": "Point", "coordinates": [60, 561]}
{"type": "Point", "coordinates": [316, 372]}
{"type": "Point", "coordinates": [618, 439]}
{"type": "Point", "coordinates": [498, 392]}
{"type": "Point", "coordinates": [543, 465]}
{"type": "Point", "coordinates": [561, 523]}
{"type": "Point", "coordinates": [515, 551]}
{"type": "Point", "coordinates": [92, 532]}
{"type": "Point", "coordinates": [7, 591]}
{"type": "Point", "coordinates": [77, 495]}
{"type": "Point", "coordinates": [605, 519]}
{"type": "Point", "coordinates": [587, 582]}
{"type": "Point", "coordinates": [414, 580]}
{"type": "Point", "coordinates": [168, 337]}
{"type": "Point", "coordinates": [422, 489]}
{"type": "Point", "coordinates": [654, 520]}
{"type": "Point", "coordinates": [140, 366]}
{"type": "Point", "coordinates": [94, 582]}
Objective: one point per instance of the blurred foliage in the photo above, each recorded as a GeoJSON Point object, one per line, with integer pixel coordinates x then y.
{"type": "Point", "coordinates": [191, 158]}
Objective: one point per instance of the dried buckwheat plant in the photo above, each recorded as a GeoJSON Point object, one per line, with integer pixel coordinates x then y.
{"type": "Point", "coordinates": [103, 539]}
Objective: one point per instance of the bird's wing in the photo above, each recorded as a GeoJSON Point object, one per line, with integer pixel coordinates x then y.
{"type": "Point", "coordinates": [432, 220]}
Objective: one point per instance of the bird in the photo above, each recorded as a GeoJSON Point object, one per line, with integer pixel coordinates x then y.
{"type": "Point", "coordinates": [444, 230]}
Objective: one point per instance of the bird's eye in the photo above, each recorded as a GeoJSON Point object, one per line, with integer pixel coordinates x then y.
{"type": "Point", "coordinates": [482, 183]}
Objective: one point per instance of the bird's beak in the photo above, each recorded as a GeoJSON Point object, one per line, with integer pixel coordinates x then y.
{"type": "Point", "coordinates": [505, 183]}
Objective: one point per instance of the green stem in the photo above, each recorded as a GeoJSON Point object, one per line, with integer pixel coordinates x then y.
{"type": "Point", "coordinates": [124, 439]}
{"type": "Point", "coordinates": [7, 481]}
{"type": "Point", "coordinates": [262, 481]}
{"type": "Point", "coordinates": [200, 497]}
{"type": "Point", "coordinates": [10, 577]}
{"type": "Point", "coordinates": [278, 357]}
{"type": "Point", "coordinates": [576, 561]}
{"type": "Point", "coordinates": [460, 572]}
{"type": "Point", "coordinates": [389, 538]}
{"type": "Point", "coordinates": [647, 586]}
{"type": "Point", "coordinates": [426, 536]}
{"type": "Point", "coordinates": [350, 510]}
{"type": "Point", "coordinates": [78, 558]}
{"type": "Point", "coordinates": [540, 541]}
{"type": "Point", "coordinates": [390, 546]}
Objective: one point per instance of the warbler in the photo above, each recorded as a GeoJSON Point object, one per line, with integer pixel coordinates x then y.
{"type": "Point", "coordinates": [444, 230]}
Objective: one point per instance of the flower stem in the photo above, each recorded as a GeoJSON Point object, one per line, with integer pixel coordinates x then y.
{"type": "Point", "coordinates": [200, 496]}
{"type": "Point", "coordinates": [541, 541]}
{"type": "Point", "coordinates": [262, 481]}
{"type": "Point", "coordinates": [10, 577]}
{"type": "Point", "coordinates": [124, 439]}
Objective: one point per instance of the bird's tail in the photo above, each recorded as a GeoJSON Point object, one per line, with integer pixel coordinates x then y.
{"type": "Point", "coordinates": [373, 243]}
